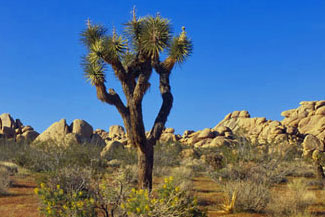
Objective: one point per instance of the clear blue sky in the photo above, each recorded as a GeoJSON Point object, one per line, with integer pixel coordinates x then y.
{"type": "Point", "coordinates": [258, 55]}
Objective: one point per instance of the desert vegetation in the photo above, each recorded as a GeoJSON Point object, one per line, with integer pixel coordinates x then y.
{"type": "Point", "coordinates": [78, 181]}
{"type": "Point", "coordinates": [242, 167]}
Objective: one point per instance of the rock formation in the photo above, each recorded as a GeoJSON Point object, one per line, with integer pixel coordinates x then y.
{"type": "Point", "coordinates": [309, 120]}
{"type": "Point", "coordinates": [63, 135]}
{"type": "Point", "coordinates": [259, 130]}
{"type": "Point", "coordinates": [15, 130]}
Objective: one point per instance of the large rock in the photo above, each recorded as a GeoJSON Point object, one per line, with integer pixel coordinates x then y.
{"type": "Point", "coordinates": [30, 135]}
{"type": "Point", "coordinates": [110, 148]}
{"type": "Point", "coordinates": [82, 128]}
{"type": "Point", "coordinates": [116, 131]}
{"type": "Point", "coordinates": [311, 143]}
{"type": "Point", "coordinates": [7, 121]}
{"type": "Point", "coordinates": [79, 132]}
{"type": "Point", "coordinates": [8, 132]}
{"type": "Point", "coordinates": [168, 137]}
{"type": "Point", "coordinates": [56, 133]}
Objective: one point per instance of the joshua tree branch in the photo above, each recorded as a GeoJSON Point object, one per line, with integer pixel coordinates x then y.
{"type": "Point", "coordinates": [166, 105]}
{"type": "Point", "coordinates": [111, 98]}
{"type": "Point", "coordinates": [142, 84]}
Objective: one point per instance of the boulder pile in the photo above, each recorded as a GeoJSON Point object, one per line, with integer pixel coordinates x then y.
{"type": "Point", "coordinates": [309, 120]}
{"type": "Point", "coordinates": [260, 131]}
{"type": "Point", "coordinates": [62, 134]}
{"type": "Point", "coordinates": [15, 129]}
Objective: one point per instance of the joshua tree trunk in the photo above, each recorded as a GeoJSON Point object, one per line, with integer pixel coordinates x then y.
{"type": "Point", "coordinates": [133, 60]}
{"type": "Point", "coordinates": [145, 167]}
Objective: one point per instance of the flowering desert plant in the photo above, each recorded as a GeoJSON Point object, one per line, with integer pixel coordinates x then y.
{"type": "Point", "coordinates": [58, 203]}
{"type": "Point", "coordinates": [168, 200]}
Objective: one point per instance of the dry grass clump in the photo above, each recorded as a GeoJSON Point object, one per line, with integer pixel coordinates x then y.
{"type": "Point", "coordinates": [247, 195]}
{"type": "Point", "coordinates": [292, 202]}
{"type": "Point", "coordinates": [4, 180]}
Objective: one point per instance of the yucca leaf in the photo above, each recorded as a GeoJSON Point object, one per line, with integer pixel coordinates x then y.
{"type": "Point", "coordinates": [94, 70]}
{"type": "Point", "coordinates": [181, 47]}
{"type": "Point", "coordinates": [155, 35]}
{"type": "Point", "coordinates": [92, 34]}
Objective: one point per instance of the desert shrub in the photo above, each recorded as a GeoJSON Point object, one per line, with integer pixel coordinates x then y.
{"type": "Point", "coordinates": [249, 196]}
{"type": "Point", "coordinates": [127, 156]}
{"type": "Point", "coordinates": [182, 177]}
{"type": "Point", "coordinates": [167, 201]}
{"type": "Point", "coordinates": [167, 154]}
{"type": "Point", "coordinates": [267, 173]}
{"type": "Point", "coordinates": [77, 191]}
{"type": "Point", "coordinates": [71, 179]}
{"type": "Point", "coordinates": [196, 165]}
{"type": "Point", "coordinates": [292, 202]}
{"type": "Point", "coordinates": [58, 202]}
{"type": "Point", "coordinates": [49, 157]}
{"type": "Point", "coordinates": [299, 168]}
{"type": "Point", "coordinates": [4, 180]}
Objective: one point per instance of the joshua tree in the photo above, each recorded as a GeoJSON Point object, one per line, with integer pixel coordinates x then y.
{"type": "Point", "coordinates": [133, 57]}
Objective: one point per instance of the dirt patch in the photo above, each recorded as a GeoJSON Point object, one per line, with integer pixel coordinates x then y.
{"type": "Point", "coordinates": [21, 200]}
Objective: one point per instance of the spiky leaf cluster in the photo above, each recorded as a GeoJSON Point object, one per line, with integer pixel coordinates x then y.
{"type": "Point", "coordinates": [94, 70]}
{"type": "Point", "coordinates": [145, 38]}
{"type": "Point", "coordinates": [92, 34]}
{"type": "Point", "coordinates": [155, 36]}
{"type": "Point", "coordinates": [181, 47]}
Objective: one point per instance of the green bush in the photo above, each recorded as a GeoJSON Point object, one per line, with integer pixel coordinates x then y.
{"type": "Point", "coordinates": [47, 157]}
{"type": "Point", "coordinates": [167, 201]}
{"type": "Point", "coordinates": [56, 202]}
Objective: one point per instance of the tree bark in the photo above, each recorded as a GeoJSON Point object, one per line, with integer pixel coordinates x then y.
{"type": "Point", "coordinates": [145, 167]}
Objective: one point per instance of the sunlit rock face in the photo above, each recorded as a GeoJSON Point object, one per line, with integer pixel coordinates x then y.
{"type": "Point", "coordinates": [15, 129]}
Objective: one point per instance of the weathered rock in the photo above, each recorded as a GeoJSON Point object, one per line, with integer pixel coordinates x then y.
{"type": "Point", "coordinates": [110, 148]}
{"type": "Point", "coordinates": [219, 141]}
{"type": "Point", "coordinates": [207, 133]}
{"type": "Point", "coordinates": [222, 130]}
{"type": "Point", "coordinates": [27, 128]}
{"type": "Point", "coordinates": [18, 124]}
{"type": "Point", "coordinates": [189, 153]}
{"type": "Point", "coordinates": [187, 133]}
{"type": "Point", "coordinates": [7, 121]}
{"type": "Point", "coordinates": [169, 130]}
{"type": "Point", "coordinates": [256, 130]}
{"type": "Point", "coordinates": [168, 137]}
{"type": "Point", "coordinates": [8, 132]}
{"type": "Point", "coordinates": [71, 139]}
{"type": "Point", "coordinates": [102, 133]}
{"type": "Point", "coordinates": [312, 143]}
{"type": "Point", "coordinates": [97, 140]}
{"type": "Point", "coordinates": [82, 128]}
{"type": "Point", "coordinates": [30, 135]}
{"type": "Point", "coordinates": [308, 118]}
{"type": "Point", "coordinates": [116, 131]}
{"type": "Point", "coordinates": [56, 133]}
